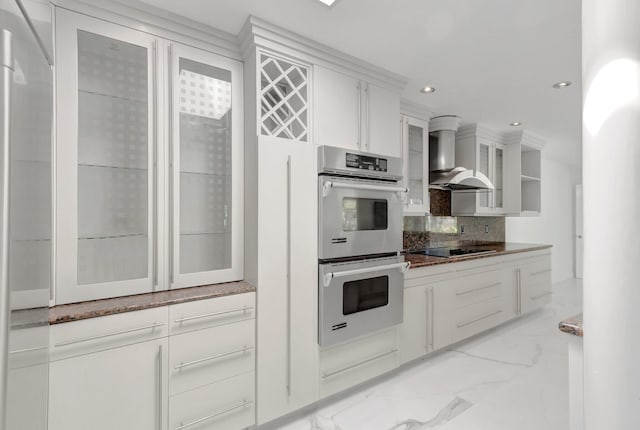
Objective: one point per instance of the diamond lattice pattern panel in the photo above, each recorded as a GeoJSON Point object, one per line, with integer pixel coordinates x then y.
{"type": "Point", "coordinates": [284, 99]}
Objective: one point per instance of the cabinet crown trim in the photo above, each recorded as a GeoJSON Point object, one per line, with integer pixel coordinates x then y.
{"type": "Point", "coordinates": [525, 138]}
{"type": "Point", "coordinates": [415, 110]}
{"type": "Point", "coordinates": [257, 32]}
{"type": "Point", "coordinates": [157, 22]}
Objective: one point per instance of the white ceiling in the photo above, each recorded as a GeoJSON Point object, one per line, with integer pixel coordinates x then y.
{"type": "Point", "coordinates": [492, 61]}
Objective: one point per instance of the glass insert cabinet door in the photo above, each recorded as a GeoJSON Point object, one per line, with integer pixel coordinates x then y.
{"type": "Point", "coordinates": [484, 166]}
{"type": "Point", "coordinates": [105, 177]}
{"type": "Point", "coordinates": [206, 140]}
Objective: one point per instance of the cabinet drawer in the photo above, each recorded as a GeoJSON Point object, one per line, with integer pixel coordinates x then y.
{"type": "Point", "coordinates": [204, 356]}
{"type": "Point", "coordinates": [98, 334]}
{"type": "Point", "coordinates": [346, 365]}
{"type": "Point", "coordinates": [536, 296]}
{"type": "Point", "coordinates": [478, 288]}
{"type": "Point", "coordinates": [225, 405]}
{"type": "Point", "coordinates": [537, 269]}
{"type": "Point", "coordinates": [213, 312]}
{"type": "Point", "coordinates": [478, 317]}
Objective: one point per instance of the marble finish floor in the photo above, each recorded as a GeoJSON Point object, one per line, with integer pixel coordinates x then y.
{"type": "Point", "coordinates": [514, 377]}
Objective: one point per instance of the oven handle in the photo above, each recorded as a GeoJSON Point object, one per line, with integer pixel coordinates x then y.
{"type": "Point", "coordinates": [326, 188]}
{"type": "Point", "coordinates": [328, 277]}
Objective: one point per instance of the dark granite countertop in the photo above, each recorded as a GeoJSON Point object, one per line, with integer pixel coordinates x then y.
{"type": "Point", "coordinates": [98, 308]}
{"type": "Point", "coordinates": [572, 325]}
{"type": "Point", "coordinates": [500, 248]}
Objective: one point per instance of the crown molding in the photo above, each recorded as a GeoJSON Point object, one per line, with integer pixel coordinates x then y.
{"type": "Point", "coordinates": [262, 34]}
{"type": "Point", "coordinates": [479, 130]}
{"type": "Point", "coordinates": [158, 22]}
{"type": "Point", "coordinates": [415, 110]}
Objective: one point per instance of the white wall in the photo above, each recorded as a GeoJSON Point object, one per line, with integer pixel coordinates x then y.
{"type": "Point", "coordinates": [556, 224]}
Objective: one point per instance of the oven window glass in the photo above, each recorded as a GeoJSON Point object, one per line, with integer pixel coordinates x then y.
{"type": "Point", "coordinates": [364, 214]}
{"type": "Point", "coordinates": [364, 294]}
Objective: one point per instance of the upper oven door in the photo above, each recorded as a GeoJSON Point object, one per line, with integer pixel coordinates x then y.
{"type": "Point", "coordinates": [358, 217]}
{"type": "Point", "coordinates": [357, 298]}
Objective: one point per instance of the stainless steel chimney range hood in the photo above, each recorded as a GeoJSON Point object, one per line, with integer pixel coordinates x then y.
{"type": "Point", "coordinates": [443, 172]}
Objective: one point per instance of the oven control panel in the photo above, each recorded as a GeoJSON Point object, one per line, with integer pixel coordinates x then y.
{"type": "Point", "coordinates": [365, 162]}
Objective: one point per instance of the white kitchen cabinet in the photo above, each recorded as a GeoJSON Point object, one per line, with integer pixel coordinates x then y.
{"type": "Point", "coordinates": [212, 355]}
{"type": "Point", "coordinates": [106, 148]}
{"type": "Point", "coordinates": [337, 109]}
{"type": "Point", "coordinates": [382, 128]}
{"type": "Point", "coordinates": [415, 153]}
{"type": "Point", "coordinates": [535, 283]}
{"type": "Point", "coordinates": [346, 365]}
{"type": "Point", "coordinates": [354, 113]}
{"type": "Point", "coordinates": [206, 111]}
{"type": "Point", "coordinates": [149, 162]}
{"type": "Point", "coordinates": [109, 372]}
{"type": "Point", "coordinates": [483, 150]}
{"type": "Point", "coordinates": [524, 155]}
{"type": "Point", "coordinates": [414, 334]}
{"type": "Point", "coordinates": [287, 277]}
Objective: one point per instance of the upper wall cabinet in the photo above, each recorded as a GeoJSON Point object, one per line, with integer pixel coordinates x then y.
{"type": "Point", "coordinates": [149, 164]}
{"type": "Point", "coordinates": [205, 105]}
{"type": "Point", "coordinates": [353, 113]}
{"type": "Point", "coordinates": [513, 164]}
{"type": "Point", "coordinates": [524, 154]}
{"type": "Point", "coordinates": [106, 151]}
{"type": "Point", "coordinates": [415, 145]}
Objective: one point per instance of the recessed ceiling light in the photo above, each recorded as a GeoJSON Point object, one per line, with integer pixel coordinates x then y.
{"type": "Point", "coordinates": [427, 90]}
{"type": "Point", "coordinates": [562, 84]}
{"type": "Point", "coordinates": [327, 2]}
{"type": "Point", "coordinates": [515, 124]}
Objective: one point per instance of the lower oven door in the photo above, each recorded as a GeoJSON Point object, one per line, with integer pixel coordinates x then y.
{"type": "Point", "coordinates": [358, 217]}
{"type": "Point", "coordinates": [359, 297]}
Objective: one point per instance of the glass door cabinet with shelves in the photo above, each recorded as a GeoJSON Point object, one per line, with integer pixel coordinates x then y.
{"type": "Point", "coordinates": [148, 162]}
{"type": "Point", "coordinates": [105, 159]}
{"type": "Point", "coordinates": [206, 135]}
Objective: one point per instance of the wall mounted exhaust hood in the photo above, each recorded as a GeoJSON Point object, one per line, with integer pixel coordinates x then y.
{"type": "Point", "coordinates": [443, 172]}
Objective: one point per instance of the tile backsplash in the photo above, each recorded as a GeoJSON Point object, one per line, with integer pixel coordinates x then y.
{"type": "Point", "coordinates": [431, 231]}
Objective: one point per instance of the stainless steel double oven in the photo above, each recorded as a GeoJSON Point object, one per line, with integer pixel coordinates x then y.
{"type": "Point", "coordinates": [361, 271]}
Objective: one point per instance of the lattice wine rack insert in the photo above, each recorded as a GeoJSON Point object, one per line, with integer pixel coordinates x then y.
{"type": "Point", "coordinates": [284, 99]}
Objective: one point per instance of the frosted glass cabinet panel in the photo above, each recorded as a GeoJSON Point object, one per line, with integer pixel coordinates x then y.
{"type": "Point", "coordinates": [206, 116]}
{"type": "Point", "coordinates": [105, 145]}
{"type": "Point", "coordinates": [415, 142]}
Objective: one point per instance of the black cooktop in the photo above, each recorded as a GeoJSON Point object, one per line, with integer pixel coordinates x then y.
{"type": "Point", "coordinates": [449, 252]}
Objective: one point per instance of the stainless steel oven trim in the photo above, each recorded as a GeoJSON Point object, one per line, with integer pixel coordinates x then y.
{"type": "Point", "coordinates": [328, 277]}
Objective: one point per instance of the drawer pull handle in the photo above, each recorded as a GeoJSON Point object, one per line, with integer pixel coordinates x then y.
{"type": "Point", "coordinates": [87, 339]}
{"type": "Point", "coordinates": [214, 415]}
{"type": "Point", "coordinates": [214, 314]}
{"type": "Point", "coordinates": [244, 350]}
{"type": "Point", "coordinates": [478, 289]}
{"type": "Point", "coordinates": [358, 364]}
{"type": "Point", "coordinates": [538, 297]}
{"type": "Point", "coordinates": [479, 319]}
{"type": "Point", "coordinates": [540, 272]}
{"type": "Point", "coordinates": [22, 351]}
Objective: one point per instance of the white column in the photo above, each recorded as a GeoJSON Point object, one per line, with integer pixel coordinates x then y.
{"type": "Point", "coordinates": [611, 157]}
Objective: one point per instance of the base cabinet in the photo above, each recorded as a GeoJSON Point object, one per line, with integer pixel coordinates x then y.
{"type": "Point", "coordinates": [352, 363]}
{"type": "Point", "coordinates": [122, 387]}
{"type": "Point", "coordinates": [535, 283]}
{"type": "Point", "coordinates": [446, 305]}
{"type": "Point", "coordinates": [185, 366]}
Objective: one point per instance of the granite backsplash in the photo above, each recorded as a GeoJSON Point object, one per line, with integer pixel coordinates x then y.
{"type": "Point", "coordinates": [432, 231]}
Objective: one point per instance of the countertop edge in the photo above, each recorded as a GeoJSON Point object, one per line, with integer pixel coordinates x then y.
{"type": "Point", "coordinates": [572, 325]}
{"type": "Point", "coordinates": [112, 306]}
{"type": "Point", "coordinates": [440, 260]}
